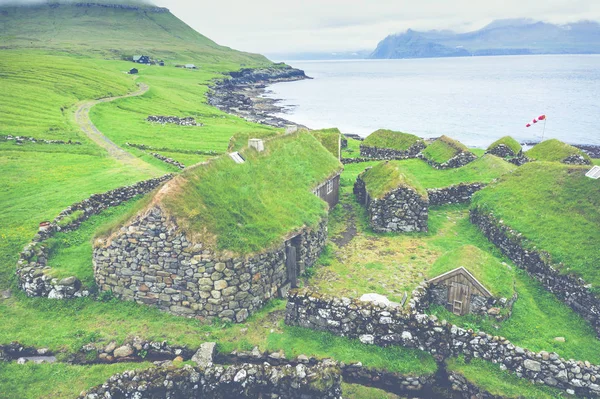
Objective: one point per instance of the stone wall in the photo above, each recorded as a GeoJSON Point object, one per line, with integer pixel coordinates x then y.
{"type": "Point", "coordinates": [502, 151]}
{"type": "Point", "coordinates": [347, 161]}
{"type": "Point", "coordinates": [457, 194]}
{"type": "Point", "coordinates": [467, 390]}
{"type": "Point", "coordinates": [392, 325]}
{"type": "Point", "coordinates": [151, 261]}
{"type": "Point", "coordinates": [168, 160]}
{"type": "Point", "coordinates": [573, 291]}
{"type": "Point", "coordinates": [187, 121]}
{"type": "Point", "coordinates": [32, 270]}
{"type": "Point", "coordinates": [576, 159]}
{"type": "Point", "coordinates": [390, 154]}
{"type": "Point", "coordinates": [319, 381]}
{"type": "Point", "coordinates": [460, 159]}
{"type": "Point", "coordinates": [401, 210]}
{"type": "Point", "coordinates": [33, 140]}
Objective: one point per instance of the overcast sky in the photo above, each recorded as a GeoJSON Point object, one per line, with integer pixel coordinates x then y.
{"type": "Point", "coordinates": [273, 26]}
{"type": "Point", "coordinates": [278, 26]}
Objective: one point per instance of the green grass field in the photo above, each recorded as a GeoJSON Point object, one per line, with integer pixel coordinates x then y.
{"type": "Point", "coordinates": [556, 208]}
{"type": "Point", "coordinates": [384, 138]}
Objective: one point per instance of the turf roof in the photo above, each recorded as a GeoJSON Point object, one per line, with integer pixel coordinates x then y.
{"type": "Point", "coordinates": [443, 149]}
{"type": "Point", "coordinates": [507, 141]}
{"type": "Point", "coordinates": [247, 208]}
{"type": "Point", "coordinates": [388, 176]}
{"type": "Point", "coordinates": [330, 138]}
{"type": "Point", "coordinates": [384, 138]}
{"type": "Point", "coordinates": [554, 151]}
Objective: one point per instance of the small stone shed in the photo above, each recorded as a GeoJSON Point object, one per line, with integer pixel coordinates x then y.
{"type": "Point", "coordinates": [459, 291]}
{"type": "Point", "coordinates": [152, 260]}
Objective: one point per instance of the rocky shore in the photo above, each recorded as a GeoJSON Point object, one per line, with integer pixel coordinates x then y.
{"type": "Point", "coordinates": [242, 94]}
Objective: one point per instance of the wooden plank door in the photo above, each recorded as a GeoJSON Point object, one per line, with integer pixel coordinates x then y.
{"type": "Point", "coordinates": [291, 264]}
{"type": "Point", "coordinates": [458, 298]}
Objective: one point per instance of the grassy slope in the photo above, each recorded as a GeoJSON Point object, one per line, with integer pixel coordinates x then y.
{"type": "Point", "coordinates": [553, 151]}
{"type": "Point", "coordinates": [352, 150]}
{"type": "Point", "coordinates": [330, 138]}
{"type": "Point", "coordinates": [384, 138]}
{"type": "Point", "coordinates": [244, 206]}
{"type": "Point", "coordinates": [387, 176]}
{"type": "Point", "coordinates": [56, 381]}
{"type": "Point", "coordinates": [112, 33]}
{"type": "Point", "coordinates": [482, 170]}
{"type": "Point", "coordinates": [554, 206]}
{"type": "Point", "coordinates": [507, 141]}
{"type": "Point", "coordinates": [490, 378]}
{"type": "Point", "coordinates": [443, 149]}
{"type": "Point", "coordinates": [487, 269]}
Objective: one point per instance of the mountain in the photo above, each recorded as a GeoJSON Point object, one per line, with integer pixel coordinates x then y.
{"type": "Point", "coordinates": [111, 29]}
{"type": "Point", "coordinates": [501, 37]}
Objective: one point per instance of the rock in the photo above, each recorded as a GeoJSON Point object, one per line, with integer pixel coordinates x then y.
{"type": "Point", "coordinates": [110, 347]}
{"type": "Point", "coordinates": [204, 355]}
{"type": "Point", "coordinates": [22, 360]}
{"type": "Point", "coordinates": [367, 339]}
{"type": "Point", "coordinates": [240, 376]}
{"type": "Point", "coordinates": [559, 339]}
{"type": "Point", "coordinates": [376, 299]}
{"type": "Point", "coordinates": [123, 351]}
{"type": "Point", "coordinates": [220, 284]}
{"type": "Point", "coordinates": [70, 281]}
{"type": "Point", "coordinates": [532, 365]}
{"type": "Point", "coordinates": [241, 316]}
{"type": "Point", "coordinates": [493, 311]}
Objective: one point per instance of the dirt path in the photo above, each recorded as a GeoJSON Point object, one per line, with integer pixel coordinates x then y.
{"type": "Point", "coordinates": [82, 118]}
{"type": "Point", "coordinates": [350, 232]}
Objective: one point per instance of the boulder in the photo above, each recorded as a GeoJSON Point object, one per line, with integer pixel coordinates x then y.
{"type": "Point", "coordinates": [123, 351]}
{"type": "Point", "coordinates": [204, 355]}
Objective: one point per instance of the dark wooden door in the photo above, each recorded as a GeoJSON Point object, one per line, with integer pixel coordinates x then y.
{"type": "Point", "coordinates": [291, 264]}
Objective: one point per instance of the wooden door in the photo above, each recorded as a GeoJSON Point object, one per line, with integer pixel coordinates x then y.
{"type": "Point", "coordinates": [458, 298]}
{"type": "Point", "coordinates": [291, 264]}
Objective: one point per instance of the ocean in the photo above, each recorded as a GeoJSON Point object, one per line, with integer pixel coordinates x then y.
{"type": "Point", "coordinates": [475, 100]}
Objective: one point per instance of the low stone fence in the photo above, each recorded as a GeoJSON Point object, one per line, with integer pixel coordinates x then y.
{"type": "Point", "coordinates": [145, 147]}
{"type": "Point", "coordinates": [32, 269]}
{"type": "Point", "coordinates": [320, 381]}
{"type": "Point", "coordinates": [390, 154]}
{"type": "Point", "coordinates": [168, 160]}
{"type": "Point", "coordinates": [460, 159]}
{"type": "Point", "coordinates": [573, 291]}
{"type": "Point", "coordinates": [503, 151]}
{"type": "Point", "coordinates": [33, 140]}
{"type": "Point", "coordinates": [189, 121]}
{"type": "Point", "coordinates": [392, 325]}
{"type": "Point", "coordinates": [347, 161]}
{"type": "Point", "coordinates": [15, 350]}
{"type": "Point", "coordinates": [152, 262]}
{"type": "Point", "coordinates": [576, 159]}
{"type": "Point", "coordinates": [457, 194]}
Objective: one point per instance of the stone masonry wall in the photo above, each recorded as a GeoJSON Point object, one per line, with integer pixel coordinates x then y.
{"type": "Point", "coordinates": [321, 381]}
{"type": "Point", "coordinates": [572, 291]}
{"type": "Point", "coordinates": [457, 194]}
{"type": "Point", "coordinates": [502, 151]}
{"type": "Point", "coordinates": [392, 325]}
{"type": "Point", "coordinates": [32, 269]}
{"type": "Point", "coordinates": [401, 210]}
{"type": "Point", "coordinates": [152, 262]}
{"type": "Point", "coordinates": [460, 159]}
{"type": "Point", "coordinates": [389, 154]}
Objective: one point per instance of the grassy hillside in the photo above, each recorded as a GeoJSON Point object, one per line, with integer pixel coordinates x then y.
{"type": "Point", "coordinates": [554, 151]}
{"type": "Point", "coordinates": [443, 149]}
{"type": "Point", "coordinates": [556, 208]}
{"type": "Point", "coordinates": [112, 33]}
{"type": "Point", "coordinates": [330, 138]}
{"type": "Point", "coordinates": [507, 141]}
{"type": "Point", "coordinates": [384, 138]}
{"type": "Point", "coordinates": [247, 207]}
{"type": "Point", "coordinates": [490, 272]}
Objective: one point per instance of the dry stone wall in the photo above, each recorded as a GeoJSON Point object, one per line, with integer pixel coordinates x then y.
{"type": "Point", "coordinates": [456, 194]}
{"type": "Point", "coordinates": [460, 159]}
{"type": "Point", "coordinates": [392, 325]}
{"type": "Point", "coordinates": [152, 262]}
{"type": "Point", "coordinates": [390, 154]}
{"type": "Point", "coordinates": [321, 381]}
{"type": "Point", "coordinates": [32, 266]}
{"type": "Point", "coordinates": [502, 151]}
{"type": "Point", "coordinates": [576, 159]}
{"type": "Point", "coordinates": [33, 140]}
{"type": "Point", "coordinates": [573, 291]}
{"type": "Point", "coordinates": [187, 121]}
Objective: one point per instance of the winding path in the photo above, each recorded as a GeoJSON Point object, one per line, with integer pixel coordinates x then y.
{"type": "Point", "coordinates": [82, 118]}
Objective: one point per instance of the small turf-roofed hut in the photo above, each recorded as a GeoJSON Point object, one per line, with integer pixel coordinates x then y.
{"type": "Point", "coordinates": [389, 144]}
{"type": "Point", "coordinates": [446, 153]}
{"type": "Point", "coordinates": [222, 238]}
{"type": "Point", "coordinates": [395, 201]}
{"type": "Point", "coordinates": [556, 151]}
{"type": "Point", "coordinates": [460, 286]}
{"type": "Point", "coordinates": [505, 147]}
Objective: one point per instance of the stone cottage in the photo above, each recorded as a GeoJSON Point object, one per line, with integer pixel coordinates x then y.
{"type": "Point", "coordinates": [161, 258]}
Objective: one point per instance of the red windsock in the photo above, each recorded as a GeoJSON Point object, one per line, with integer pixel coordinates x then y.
{"type": "Point", "coordinates": [541, 117]}
{"type": "Point", "coordinates": [528, 125]}
{"type": "Point", "coordinates": [535, 121]}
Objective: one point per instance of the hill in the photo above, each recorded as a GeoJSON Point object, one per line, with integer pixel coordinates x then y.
{"type": "Point", "coordinates": [501, 37]}
{"type": "Point", "coordinates": [116, 29]}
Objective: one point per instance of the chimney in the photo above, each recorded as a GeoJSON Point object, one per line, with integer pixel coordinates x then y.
{"type": "Point", "coordinates": [257, 144]}
{"type": "Point", "coordinates": [291, 129]}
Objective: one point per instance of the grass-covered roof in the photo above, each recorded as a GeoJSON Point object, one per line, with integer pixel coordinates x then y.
{"type": "Point", "coordinates": [384, 138]}
{"type": "Point", "coordinates": [240, 139]}
{"type": "Point", "coordinates": [443, 149]}
{"type": "Point", "coordinates": [330, 138]}
{"type": "Point", "coordinates": [557, 208]}
{"type": "Point", "coordinates": [387, 176]}
{"type": "Point", "coordinates": [482, 170]}
{"type": "Point", "coordinates": [246, 208]}
{"type": "Point", "coordinates": [554, 150]}
{"type": "Point", "coordinates": [507, 141]}
{"type": "Point", "coordinates": [488, 270]}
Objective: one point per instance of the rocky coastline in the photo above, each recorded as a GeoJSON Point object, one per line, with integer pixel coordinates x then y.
{"type": "Point", "coordinates": [242, 94]}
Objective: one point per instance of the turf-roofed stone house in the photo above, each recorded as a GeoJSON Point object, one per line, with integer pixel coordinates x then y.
{"type": "Point", "coordinates": [446, 153]}
{"type": "Point", "coordinates": [395, 201]}
{"type": "Point", "coordinates": [556, 151]}
{"type": "Point", "coordinates": [222, 238]}
{"type": "Point", "coordinates": [389, 144]}
{"type": "Point", "coordinates": [506, 147]}
{"type": "Point", "coordinates": [469, 280]}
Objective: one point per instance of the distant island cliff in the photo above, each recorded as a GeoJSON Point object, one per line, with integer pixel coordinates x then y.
{"type": "Point", "coordinates": [501, 37]}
